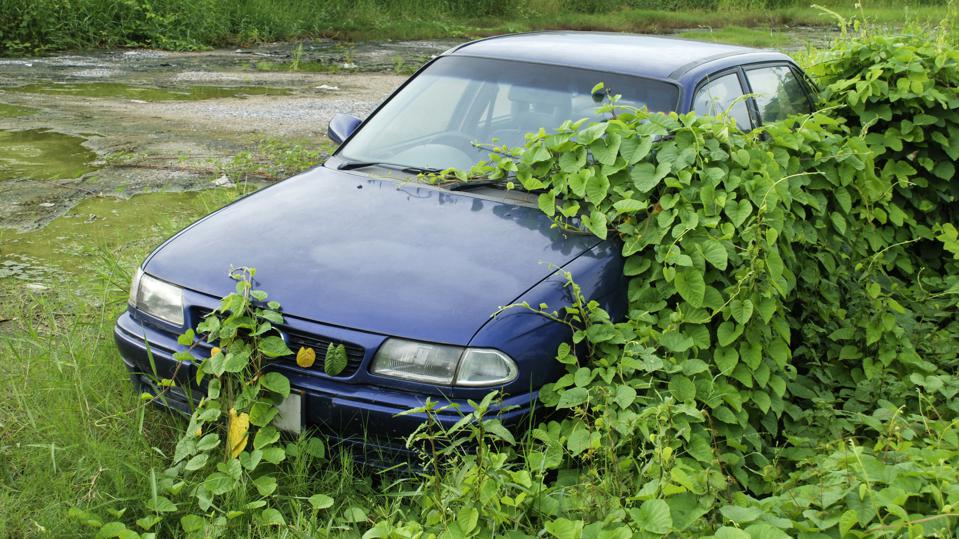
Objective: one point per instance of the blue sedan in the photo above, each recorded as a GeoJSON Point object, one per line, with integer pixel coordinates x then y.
{"type": "Point", "coordinates": [405, 275]}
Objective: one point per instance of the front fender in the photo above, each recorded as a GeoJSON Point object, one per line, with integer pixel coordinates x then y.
{"type": "Point", "coordinates": [530, 338]}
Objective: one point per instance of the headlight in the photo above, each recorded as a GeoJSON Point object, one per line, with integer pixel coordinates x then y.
{"type": "Point", "coordinates": [135, 287]}
{"type": "Point", "coordinates": [443, 365]}
{"type": "Point", "coordinates": [484, 367]}
{"type": "Point", "coordinates": [157, 298]}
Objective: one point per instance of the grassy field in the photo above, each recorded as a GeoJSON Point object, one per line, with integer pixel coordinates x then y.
{"type": "Point", "coordinates": [72, 432]}
{"type": "Point", "coordinates": [28, 26]}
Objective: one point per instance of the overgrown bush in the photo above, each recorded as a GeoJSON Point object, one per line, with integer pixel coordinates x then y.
{"type": "Point", "coordinates": [788, 364]}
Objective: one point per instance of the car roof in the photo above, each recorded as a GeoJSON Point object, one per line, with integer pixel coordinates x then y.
{"type": "Point", "coordinates": [629, 54]}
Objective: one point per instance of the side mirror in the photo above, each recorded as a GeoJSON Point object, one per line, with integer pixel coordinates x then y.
{"type": "Point", "coordinates": [342, 126]}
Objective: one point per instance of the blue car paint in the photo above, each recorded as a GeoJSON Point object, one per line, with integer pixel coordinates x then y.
{"type": "Point", "coordinates": [393, 258]}
{"type": "Point", "coordinates": [358, 259]}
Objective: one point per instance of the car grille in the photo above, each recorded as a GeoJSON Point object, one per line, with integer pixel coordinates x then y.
{"type": "Point", "coordinates": [297, 339]}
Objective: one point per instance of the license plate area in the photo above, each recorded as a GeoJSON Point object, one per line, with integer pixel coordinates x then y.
{"type": "Point", "coordinates": [290, 418]}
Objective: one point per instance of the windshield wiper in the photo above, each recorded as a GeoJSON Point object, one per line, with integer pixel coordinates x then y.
{"type": "Point", "coordinates": [495, 184]}
{"type": "Point", "coordinates": [352, 165]}
{"type": "Point", "coordinates": [466, 186]}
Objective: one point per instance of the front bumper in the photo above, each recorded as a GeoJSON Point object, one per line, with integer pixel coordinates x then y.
{"type": "Point", "coordinates": [352, 411]}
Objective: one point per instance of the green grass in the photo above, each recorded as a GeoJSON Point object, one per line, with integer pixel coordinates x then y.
{"type": "Point", "coordinates": [739, 35]}
{"type": "Point", "coordinates": [37, 25]}
{"type": "Point", "coordinates": [73, 433]}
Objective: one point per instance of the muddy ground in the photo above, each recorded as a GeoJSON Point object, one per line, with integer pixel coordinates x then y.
{"type": "Point", "coordinates": [125, 122]}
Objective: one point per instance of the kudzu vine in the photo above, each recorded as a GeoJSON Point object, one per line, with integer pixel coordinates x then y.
{"type": "Point", "coordinates": [787, 366]}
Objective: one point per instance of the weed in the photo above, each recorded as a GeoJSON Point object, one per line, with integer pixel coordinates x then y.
{"type": "Point", "coordinates": [29, 26]}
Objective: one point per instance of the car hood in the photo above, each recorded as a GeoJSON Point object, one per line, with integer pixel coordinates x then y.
{"type": "Point", "coordinates": [380, 255]}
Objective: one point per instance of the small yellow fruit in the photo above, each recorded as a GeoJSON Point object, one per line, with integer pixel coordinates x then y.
{"type": "Point", "coordinates": [216, 350]}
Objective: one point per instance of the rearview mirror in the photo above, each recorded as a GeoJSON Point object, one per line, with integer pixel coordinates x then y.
{"type": "Point", "coordinates": [342, 126]}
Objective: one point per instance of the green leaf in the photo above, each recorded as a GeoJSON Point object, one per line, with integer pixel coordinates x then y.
{"type": "Point", "coordinates": [625, 395]}
{"type": "Point", "coordinates": [274, 455]}
{"type": "Point", "coordinates": [606, 149]}
{"type": "Point", "coordinates": [571, 398]}
{"type": "Point", "coordinates": [336, 359]}
{"type": "Point", "coordinates": [727, 532]}
{"type": "Point", "coordinates": [149, 521]}
{"type": "Point", "coordinates": [738, 212]}
{"type": "Point", "coordinates": [547, 203]}
{"type": "Point", "coordinates": [265, 485]}
{"type": "Point", "coordinates": [838, 221]}
{"type": "Point", "coordinates": [715, 254]}
{"type": "Point", "coordinates": [276, 383]}
{"type": "Point", "coordinates": [588, 135]}
{"type": "Point", "coordinates": [197, 462]}
{"type": "Point", "coordinates": [726, 358]}
{"type": "Point", "coordinates": [563, 528]}
{"type": "Point", "coordinates": [571, 162]}
{"type": "Point", "coordinates": [187, 338]}
{"type": "Point", "coordinates": [653, 516]}
{"type": "Point", "coordinates": [466, 518]}
{"type": "Point", "coordinates": [271, 517]}
{"type": "Point", "coordinates": [264, 437]}
{"type": "Point", "coordinates": [676, 342]}
{"type": "Point", "coordinates": [741, 515]}
{"type": "Point", "coordinates": [354, 515]}
{"type": "Point", "coordinates": [274, 346]}
{"type": "Point", "coordinates": [232, 362]}
{"type": "Point", "coordinates": [262, 412]}
{"type": "Point", "coordinates": [320, 501]}
{"type": "Point", "coordinates": [728, 332]}
{"type": "Point", "coordinates": [578, 439]}
{"type": "Point", "coordinates": [682, 388]}
{"type": "Point", "coordinates": [691, 286]}
{"type": "Point", "coordinates": [595, 222]}
{"type": "Point", "coordinates": [628, 205]}
{"type": "Point", "coordinates": [161, 504]}
{"type": "Point", "coordinates": [208, 442]}
{"type": "Point", "coordinates": [646, 177]}
{"type": "Point", "coordinates": [192, 523]}
{"type": "Point", "coordinates": [596, 188]}
{"type": "Point", "coordinates": [634, 148]}
{"type": "Point", "coordinates": [742, 310]}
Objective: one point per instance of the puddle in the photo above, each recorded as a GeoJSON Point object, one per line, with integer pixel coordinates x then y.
{"type": "Point", "coordinates": [101, 228]}
{"type": "Point", "coordinates": [13, 111]}
{"type": "Point", "coordinates": [23, 268]}
{"type": "Point", "coordinates": [145, 93]}
{"type": "Point", "coordinates": [41, 154]}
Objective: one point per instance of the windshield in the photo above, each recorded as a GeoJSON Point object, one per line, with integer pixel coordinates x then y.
{"type": "Point", "coordinates": [434, 120]}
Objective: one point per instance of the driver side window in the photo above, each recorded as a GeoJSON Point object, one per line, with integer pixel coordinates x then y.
{"type": "Point", "coordinates": [718, 95]}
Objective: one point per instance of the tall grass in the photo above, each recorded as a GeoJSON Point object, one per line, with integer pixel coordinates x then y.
{"type": "Point", "coordinates": [38, 25]}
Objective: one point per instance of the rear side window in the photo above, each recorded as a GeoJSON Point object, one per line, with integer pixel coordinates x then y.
{"type": "Point", "coordinates": [778, 93]}
{"type": "Point", "coordinates": [717, 96]}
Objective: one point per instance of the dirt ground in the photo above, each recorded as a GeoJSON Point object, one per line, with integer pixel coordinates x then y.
{"type": "Point", "coordinates": [71, 124]}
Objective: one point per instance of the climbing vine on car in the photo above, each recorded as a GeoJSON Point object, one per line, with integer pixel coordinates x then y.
{"type": "Point", "coordinates": [792, 292]}
{"type": "Point", "coordinates": [787, 366]}
{"type": "Point", "coordinates": [223, 473]}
